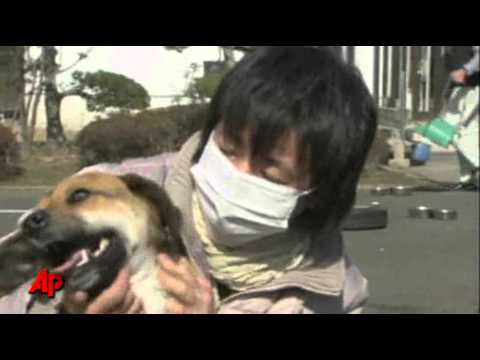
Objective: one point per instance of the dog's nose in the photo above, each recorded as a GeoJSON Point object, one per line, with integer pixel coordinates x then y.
{"type": "Point", "coordinates": [36, 221]}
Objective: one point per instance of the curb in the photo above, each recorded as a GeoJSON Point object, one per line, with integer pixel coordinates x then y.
{"type": "Point", "coordinates": [372, 187]}
{"type": "Point", "coordinates": [21, 188]}
{"type": "Point", "coordinates": [360, 188]}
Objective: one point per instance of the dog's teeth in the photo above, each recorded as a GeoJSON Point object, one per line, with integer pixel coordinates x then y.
{"type": "Point", "coordinates": [101, 248]}
{"type": "Point", "coordinates": [84, 258]}
{"type": "Point", "coordinates": [104, 244]}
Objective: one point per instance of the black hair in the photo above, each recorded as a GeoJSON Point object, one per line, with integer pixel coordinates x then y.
{"type": "Point", "coordinates": [313, 92]}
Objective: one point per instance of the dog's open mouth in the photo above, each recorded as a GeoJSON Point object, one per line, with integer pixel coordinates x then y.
{"type": "Point", "coordinates": [89, 261]}
{"type": "Point", "coordinates": [94, 267]}
{"type": "Point", "coordinates": [94, 247]}
{"type": "Point", "coordinates": [84, 255]}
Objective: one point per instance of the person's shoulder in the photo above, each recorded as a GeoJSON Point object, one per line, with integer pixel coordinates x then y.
{"type": "Point", "coordinates": [192, 142]}
{"type": "Point", "coordinates": [153, 167]}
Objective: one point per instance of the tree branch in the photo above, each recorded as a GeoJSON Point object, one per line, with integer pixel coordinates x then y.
{"type": "Point", "coordinates": [78, 91]}
{"type": "Point", "coordinates": [81, 56]}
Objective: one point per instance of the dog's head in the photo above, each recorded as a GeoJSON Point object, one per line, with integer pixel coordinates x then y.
{"type": "Point", "coordinates": [98, 217]}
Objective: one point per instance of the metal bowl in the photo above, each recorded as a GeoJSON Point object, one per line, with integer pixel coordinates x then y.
{"type": "Point", "coordinates": [445, 214]}
{"type": "Point", "coordinates": [420, 212]}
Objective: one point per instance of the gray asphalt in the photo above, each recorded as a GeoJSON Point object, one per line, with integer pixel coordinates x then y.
{"type": "Point", "coordinates": [441, 167]}
{"type": "Point", "coordinates": [421, 266]}
{"type": "Point", "coordinates": [413, 266]}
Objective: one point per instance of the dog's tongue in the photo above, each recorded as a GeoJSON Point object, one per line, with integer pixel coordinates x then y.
{"type": "Point", "coordinates": [77, 259]}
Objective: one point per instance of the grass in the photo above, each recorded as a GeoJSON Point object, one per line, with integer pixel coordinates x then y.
{"type": "Point", "coordinates": [45, 168]}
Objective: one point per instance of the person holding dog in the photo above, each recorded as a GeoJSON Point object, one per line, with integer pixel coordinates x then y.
{"type": "Point", "coordinates": [263, 191]}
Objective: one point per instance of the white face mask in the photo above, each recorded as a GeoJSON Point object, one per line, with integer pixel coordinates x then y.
{"type": "Point", "coordinates": [239, 207]}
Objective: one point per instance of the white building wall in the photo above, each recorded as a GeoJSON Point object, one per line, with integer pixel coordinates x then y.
{"type": "Point", "coordinates": [161, 72]}
{"type": "Point", "coordinates": [364, 60]}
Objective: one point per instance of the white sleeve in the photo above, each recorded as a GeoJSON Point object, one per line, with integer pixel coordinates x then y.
{"type": "Point", "coordinates": [472, 66]}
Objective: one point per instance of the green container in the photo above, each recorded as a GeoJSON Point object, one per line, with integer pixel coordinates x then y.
{"type": "Point", "coordinates": [438, 131]}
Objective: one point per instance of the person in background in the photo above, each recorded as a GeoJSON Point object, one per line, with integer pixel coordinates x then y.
{"type": "Point", "coordinates": [468, 70]}
{"type": "Point", "coordinates": [464, 107]}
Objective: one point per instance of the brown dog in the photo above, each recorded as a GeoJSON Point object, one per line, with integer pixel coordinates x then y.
{"type": "Point", "coordinates": [108, 222]}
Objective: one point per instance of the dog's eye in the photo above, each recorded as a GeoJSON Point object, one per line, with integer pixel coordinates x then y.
{"type": "Point", "coordinates": [78, 196]}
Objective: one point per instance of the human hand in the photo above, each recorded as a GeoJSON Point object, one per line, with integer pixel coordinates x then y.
{"type": "Point", "coordinates": [459, 76]}
{"type": "Point", "coordinates": [117, 299]}
{"type": "Point", "coordinates": [190, 293]}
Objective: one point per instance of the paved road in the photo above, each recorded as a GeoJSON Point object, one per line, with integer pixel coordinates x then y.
{"type": "Point", "coordinates": [413, 266]}
{"type": "Point", "coordinates": [11, 200]}
{"type": "Point", "coordinates": [441, 167]}
{"type": "Point", "coordinates": [420, 266]}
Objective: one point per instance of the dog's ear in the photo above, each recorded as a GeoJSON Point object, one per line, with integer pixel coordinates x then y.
{"type": "Point", "coordinates": [169, 214]}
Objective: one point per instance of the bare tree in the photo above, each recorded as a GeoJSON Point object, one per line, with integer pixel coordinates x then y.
{"type": "Point", "coordinates": [53, 97]}
{"type": "Point", "coordinates": [33, 119]}
{"type": "Point", "coordinates": [38, 75]}
{"type": "Point", "coordinates": [18, 83]}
